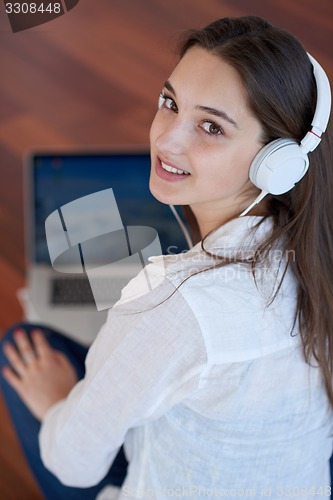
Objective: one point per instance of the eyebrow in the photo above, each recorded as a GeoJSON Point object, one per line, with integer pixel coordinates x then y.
{"type": "Point", "coordinates": [211, 111]}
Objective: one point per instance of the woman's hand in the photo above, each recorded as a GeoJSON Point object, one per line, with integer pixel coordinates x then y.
{"type": "Point", "coordinates": [40, 375]}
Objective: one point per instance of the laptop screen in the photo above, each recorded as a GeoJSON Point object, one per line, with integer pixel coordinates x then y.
{"type": "Point", "coordinates": [58, 179]}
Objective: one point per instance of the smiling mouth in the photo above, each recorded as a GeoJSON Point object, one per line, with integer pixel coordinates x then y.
{"type": "Point", "coordinates": [173, 170]}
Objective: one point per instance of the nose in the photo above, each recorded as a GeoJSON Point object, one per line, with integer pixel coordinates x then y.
{"type": "Point", "coordinates": [172, 137]}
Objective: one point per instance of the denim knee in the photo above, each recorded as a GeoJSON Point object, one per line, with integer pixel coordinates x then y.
{"type": "Point", "coordinates": [74, 351]}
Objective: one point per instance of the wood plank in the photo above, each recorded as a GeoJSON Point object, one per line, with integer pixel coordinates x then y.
{"type": "Point", "coordinates": [16, 481]}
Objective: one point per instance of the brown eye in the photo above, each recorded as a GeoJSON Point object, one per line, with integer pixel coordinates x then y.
{"type": "Point", "coordinates": [173, 106]}
{"type": "Point", "coordinates": [212, 128]}
{"type": "Point", "coordinates": [168, 103]}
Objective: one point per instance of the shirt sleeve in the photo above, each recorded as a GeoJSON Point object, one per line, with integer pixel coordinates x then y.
{"type": "Point", "coordinates": [147, 358]}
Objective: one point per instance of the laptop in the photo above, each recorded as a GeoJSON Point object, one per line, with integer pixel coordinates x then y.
{"type": "Point", "coordinates": [53, 181]}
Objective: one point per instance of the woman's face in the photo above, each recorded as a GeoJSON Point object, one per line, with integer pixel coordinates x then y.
{"type": "Point", "coordinates": [205, 130]}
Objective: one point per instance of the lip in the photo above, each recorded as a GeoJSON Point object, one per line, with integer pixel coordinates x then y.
{"type": "Point", "coordinates": [168, 176]}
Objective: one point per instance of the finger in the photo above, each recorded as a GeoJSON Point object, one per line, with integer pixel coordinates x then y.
{"type": "Point", "coordinates": [14, 358]}
{"type": "Point", "coordinates": [11, 377]}
{"type": "Point", "coordinates": [24, 346]}
{"type": "Point", "coordinates": [41, 345]}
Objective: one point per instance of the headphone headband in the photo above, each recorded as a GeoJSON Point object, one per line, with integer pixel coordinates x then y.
{"type": "Point", "coordinates": [323, 108]}
{"type": "Point", "coordinates": [282, 163]}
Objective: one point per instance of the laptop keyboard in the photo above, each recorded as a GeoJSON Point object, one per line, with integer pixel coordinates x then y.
{"type": "Point", "coordinates": [71, 291]}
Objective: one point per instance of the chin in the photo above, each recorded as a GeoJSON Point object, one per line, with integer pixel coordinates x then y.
{"type": "Point", "coordinates": [162, 198]}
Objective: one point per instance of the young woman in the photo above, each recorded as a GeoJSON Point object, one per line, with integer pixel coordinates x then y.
{"type": "Point", "coordinates": [219, 380]}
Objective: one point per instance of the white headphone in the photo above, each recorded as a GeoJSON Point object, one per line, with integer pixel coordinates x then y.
{"type": "Point", "coordinates": [282, 163]}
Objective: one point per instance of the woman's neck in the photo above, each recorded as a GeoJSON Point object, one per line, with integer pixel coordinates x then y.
{"type": "Point", "coordinates": [208, 220]}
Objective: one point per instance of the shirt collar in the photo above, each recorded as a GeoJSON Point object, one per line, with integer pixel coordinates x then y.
{"type": "Point", "coordinates": [241, 234]}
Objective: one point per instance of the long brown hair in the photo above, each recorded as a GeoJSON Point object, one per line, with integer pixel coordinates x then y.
{"type": "Point", "coordinates": [281, 91]}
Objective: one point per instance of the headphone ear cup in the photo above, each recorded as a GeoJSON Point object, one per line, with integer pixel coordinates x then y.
{"type": "Point", "coordinates": [278, 166]}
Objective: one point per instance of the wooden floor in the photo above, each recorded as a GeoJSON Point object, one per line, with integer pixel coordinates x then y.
{"type": "Point", "coordinates": [91, 78]}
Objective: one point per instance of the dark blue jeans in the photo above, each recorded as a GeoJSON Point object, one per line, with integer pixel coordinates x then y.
{"type": "Point", "coordinates": [27, 426]}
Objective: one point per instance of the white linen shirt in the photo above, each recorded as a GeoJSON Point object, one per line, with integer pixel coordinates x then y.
{"type": "Point", "coordinates": [206, 384]}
